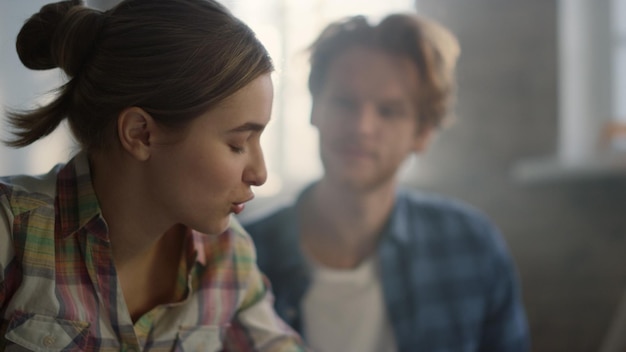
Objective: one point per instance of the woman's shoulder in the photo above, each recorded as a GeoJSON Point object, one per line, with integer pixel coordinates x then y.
{"type": "Point", "coordinates": [24, 193]}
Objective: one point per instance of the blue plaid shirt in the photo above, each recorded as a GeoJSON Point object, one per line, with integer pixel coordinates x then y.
{"type": "Point", "coordinates": [449, 283]}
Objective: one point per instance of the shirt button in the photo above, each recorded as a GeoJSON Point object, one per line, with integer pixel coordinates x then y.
{"type": "Point", "coordinates": [48, 340]}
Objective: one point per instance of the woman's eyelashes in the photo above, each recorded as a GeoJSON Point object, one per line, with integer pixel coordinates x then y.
{"type": "Point", "coordinates": [242, 141]}
{"type": "Point", "coordinates": [237, 148]}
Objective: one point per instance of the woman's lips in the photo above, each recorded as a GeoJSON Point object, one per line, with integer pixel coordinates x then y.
{"type": "Point", "coordinates": [237, 207]}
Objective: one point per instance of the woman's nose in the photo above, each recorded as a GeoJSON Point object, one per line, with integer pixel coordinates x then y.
{"type": "Point", "coordinates": [255, 173]}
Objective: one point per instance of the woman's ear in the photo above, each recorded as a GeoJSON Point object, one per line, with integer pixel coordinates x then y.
{"type": "Point", "coordinates": [135, 129]}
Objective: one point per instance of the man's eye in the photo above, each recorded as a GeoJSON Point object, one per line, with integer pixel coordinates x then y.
{"type": "Point", "coordinates": [387, 111]}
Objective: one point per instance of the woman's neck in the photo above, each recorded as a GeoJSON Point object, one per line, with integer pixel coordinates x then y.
{"type": "Point", "coordinates": [145, 248]}
{"type": "Point", "coordinates": [134, 225]}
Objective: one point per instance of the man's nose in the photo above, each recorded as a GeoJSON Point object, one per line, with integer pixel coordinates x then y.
{"type": "Point", "coordinates": [366, 120]}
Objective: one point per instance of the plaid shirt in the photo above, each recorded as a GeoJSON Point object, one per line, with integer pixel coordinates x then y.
{"type": "Point", "coordinates": [59, 289]}
{"type": "Point", "coordinates": [449, 284]}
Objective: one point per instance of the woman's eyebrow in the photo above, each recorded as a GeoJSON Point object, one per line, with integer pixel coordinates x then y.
{"type": "Point", "coordinates": [248, 126]}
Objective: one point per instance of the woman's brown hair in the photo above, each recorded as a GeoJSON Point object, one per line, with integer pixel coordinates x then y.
{"type": "Point", "coordinates": [176, 59]}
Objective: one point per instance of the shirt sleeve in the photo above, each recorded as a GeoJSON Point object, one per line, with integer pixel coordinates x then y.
{"type": "Point", "coordinates": [6, 244]}
{"type": "Point", "coordinates": [256, 326]}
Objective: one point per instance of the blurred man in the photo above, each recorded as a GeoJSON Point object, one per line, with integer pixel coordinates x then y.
{"type": "Point", "coordinates": [359, 264]}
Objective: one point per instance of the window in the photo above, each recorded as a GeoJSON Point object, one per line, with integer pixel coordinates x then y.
{"type": "Point", "coordinates": [618, 137]}
{"type": "Point", "coordinates": [592, 93]}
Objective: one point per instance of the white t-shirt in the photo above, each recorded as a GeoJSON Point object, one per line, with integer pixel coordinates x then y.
{"type": "Point", "coordinates": [344, 310]}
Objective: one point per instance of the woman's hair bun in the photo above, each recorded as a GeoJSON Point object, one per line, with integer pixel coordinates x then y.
{"type": "Point", "coordinates": [61, 35]}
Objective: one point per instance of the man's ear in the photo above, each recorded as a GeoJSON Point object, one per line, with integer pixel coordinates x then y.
{"type": "Point", "coordinates": [135, 129]}
{"type": "Point", "coordinates": [423, 140]}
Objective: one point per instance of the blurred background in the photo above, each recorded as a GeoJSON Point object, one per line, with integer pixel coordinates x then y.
{"type": "Point", "coordinates": [538, 142]}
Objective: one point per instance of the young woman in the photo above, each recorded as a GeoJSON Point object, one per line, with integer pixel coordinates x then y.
{"type": "Point", "coordinates": [130, 245]}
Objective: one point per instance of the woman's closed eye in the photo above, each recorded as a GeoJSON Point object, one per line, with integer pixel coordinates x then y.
{"type": "Point", "coordinates": [239, 138]}
{"type": "Point", "coordinates": [238, 149]}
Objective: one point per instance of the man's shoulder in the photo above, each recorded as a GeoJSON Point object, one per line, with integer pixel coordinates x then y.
{"type": "Point", "coordinates": [438, 207]}
{"type": "Point", "coordinates": [433, 217]}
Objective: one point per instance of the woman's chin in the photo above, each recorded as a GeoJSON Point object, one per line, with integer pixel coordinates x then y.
{"type": "Point", "coordinates": [217, 227]}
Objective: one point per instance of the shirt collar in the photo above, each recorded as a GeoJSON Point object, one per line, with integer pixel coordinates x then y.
{"type": "Point", "coordinates": [395, 228]}
{"type": "Point", "coordinates": [78, 208]}
{"type": "Point", "coordinates": [196, 247]}
{"type": "Point", "coordinates": [77, 204]}
{"type": "Point", "coordinates": [205, 249]}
